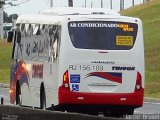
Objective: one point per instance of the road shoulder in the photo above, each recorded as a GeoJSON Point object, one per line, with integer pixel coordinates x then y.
{"type": "Point", "coordinates": [2, 85]}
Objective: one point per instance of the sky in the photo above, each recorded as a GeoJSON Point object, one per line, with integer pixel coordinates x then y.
{"type": "Point", "coordinates": [35, 6]}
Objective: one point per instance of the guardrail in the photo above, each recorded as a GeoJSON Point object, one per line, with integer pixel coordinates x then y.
{"type": "Point", "coordinates": [23, 113]}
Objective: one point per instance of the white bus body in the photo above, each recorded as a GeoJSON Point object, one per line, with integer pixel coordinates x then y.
{"type": "Point", "coordinates": [84, 62]}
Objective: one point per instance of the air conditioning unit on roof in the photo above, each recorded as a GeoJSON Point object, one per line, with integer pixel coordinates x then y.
{"type": "Point", "coordinates": [79, 11]}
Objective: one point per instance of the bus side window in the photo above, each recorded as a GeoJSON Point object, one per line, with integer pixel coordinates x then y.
{"type": "Point", "coordinates": [36, 30]}
{"type": "Point", "coordinates": [58, 42]}
{"type": "Point", "coordinates": [14, 43]}
{"type": "Point", "coordinates": [54, 43]}
{"type": "Point", "coordinates": [18, 54]}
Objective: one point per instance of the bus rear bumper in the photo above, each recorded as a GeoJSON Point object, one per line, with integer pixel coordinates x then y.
{"type": "Point", "coordinates": [124, 99]}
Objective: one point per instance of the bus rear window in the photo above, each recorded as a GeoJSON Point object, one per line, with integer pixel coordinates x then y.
{"type": "Point", "coordinates": [102, 35]}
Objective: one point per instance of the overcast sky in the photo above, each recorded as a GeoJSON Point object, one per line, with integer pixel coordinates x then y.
{"type": "Point", "coordinates": [35, 6]}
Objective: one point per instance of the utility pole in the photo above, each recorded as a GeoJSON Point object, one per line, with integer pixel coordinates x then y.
{"type": "Point", "coordinates": [101, 3]}
{"type": "Point", "coordinates": [121, 5]}
{"type": "Point", "coordinates": [132, 2]}
{"type": "Point", "coordinates": [91, 4]}
{"type": "Point", "coordinates": [1, 19]}
{"type": "Point", "coordinates": [111, 4]}
{"type": "Point", "coordinates": [85, 4]}
{"type": "Point", "coordinates": [51, 3]}
{"type": "Point", "coordinates": [1, 23]}
{"type": "Point", "coordinates": [70, 3]}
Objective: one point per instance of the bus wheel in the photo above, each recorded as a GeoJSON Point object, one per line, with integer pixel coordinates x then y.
{"type": "Point", "coordinates": [18, 94]}
{"type": "Point", "coordinates": [43, 100]}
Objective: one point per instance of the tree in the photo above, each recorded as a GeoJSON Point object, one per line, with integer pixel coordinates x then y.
{"type": "Point", "coordinates": [2, 2]}
{"type": "Point", "coordinates": [9, 18]}
{"type": "Point", "coordinates": [5, 2]}
{"type": "Point", "coordinates": [5, 17]}
{"type": "Point", "coordinates": [13, 17]}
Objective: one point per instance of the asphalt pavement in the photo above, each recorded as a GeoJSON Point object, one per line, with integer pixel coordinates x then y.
{"type": "Point", "coordinates": [151, 106]}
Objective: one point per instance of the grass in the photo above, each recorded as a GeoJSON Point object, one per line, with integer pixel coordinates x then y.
{"type": "Point", "coordinates": [148, 13]}
{"type": "Point", "coordinates": [5, 60]}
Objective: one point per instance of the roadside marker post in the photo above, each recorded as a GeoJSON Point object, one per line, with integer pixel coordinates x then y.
{"type": "Point", "coordinates": [2, 100]}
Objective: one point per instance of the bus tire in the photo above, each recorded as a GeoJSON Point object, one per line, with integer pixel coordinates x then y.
{"type": "Point", "coordinates": [42, 99]}
{"type": "Point", "coordinates": [18, 94]}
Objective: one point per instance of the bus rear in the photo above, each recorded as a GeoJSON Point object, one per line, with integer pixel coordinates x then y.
{"type": "Point", "coordinates": [103, 65]}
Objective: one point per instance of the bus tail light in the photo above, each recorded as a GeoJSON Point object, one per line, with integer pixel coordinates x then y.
{"type": "Point", "coordinates": [138, 82]}
{"type": "Point", "coordinates": [66, 80]}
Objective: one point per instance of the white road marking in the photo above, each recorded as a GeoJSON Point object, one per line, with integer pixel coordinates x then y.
{"type": "Point", "coordinates": [153, 103]}
{"type": "Point", "coordinates": [138, 112]}
{"type": "Point", "coordinates": [146, 102]}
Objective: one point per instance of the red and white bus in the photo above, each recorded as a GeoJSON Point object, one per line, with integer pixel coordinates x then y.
{"type": "Point", "coordinates": [78, 60]}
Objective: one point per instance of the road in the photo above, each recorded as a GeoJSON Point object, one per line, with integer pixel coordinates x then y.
{"type": "Point", "coordinates": [4, 92]}
{"type": "Point", "coordinates": [148, 108]}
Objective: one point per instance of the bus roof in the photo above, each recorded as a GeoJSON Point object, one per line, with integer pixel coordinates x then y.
{"type": "Point", "coordinates": [57, 15]}
{"type": "Point", "coordinates": [78, 11]}
{"type": "Point", "coordinates": [39, 19]}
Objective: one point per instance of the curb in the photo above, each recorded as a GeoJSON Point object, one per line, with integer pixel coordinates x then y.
{"type": "Point", "coordinates": [23, 113]}
{"type": "Point", "coordinates": [2, 85]}
{"type": "Point", "coordinates": [149, 99]}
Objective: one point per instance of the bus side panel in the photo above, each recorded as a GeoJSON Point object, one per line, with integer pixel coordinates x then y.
{"type": "Point", "coordinates": [51, 83]}
{"type": "Point", "coordinates": [35, 63]}
{"type": "Point", "coordinates": [38, 75]}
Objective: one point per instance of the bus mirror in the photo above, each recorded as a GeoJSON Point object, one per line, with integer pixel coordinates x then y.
{"type": "Point", "coordinates": [18, 37]}
{"type": "Point", "coordinates": [10, 36]}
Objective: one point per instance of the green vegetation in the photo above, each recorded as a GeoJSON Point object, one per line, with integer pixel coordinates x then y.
{"type": "Point", "coordinates": [5, 58]}
{"type": "Point", "coordinates": [149, 14]}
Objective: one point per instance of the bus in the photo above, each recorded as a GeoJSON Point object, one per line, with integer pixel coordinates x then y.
{"type": "Point", "coordinates": [83, 60]}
